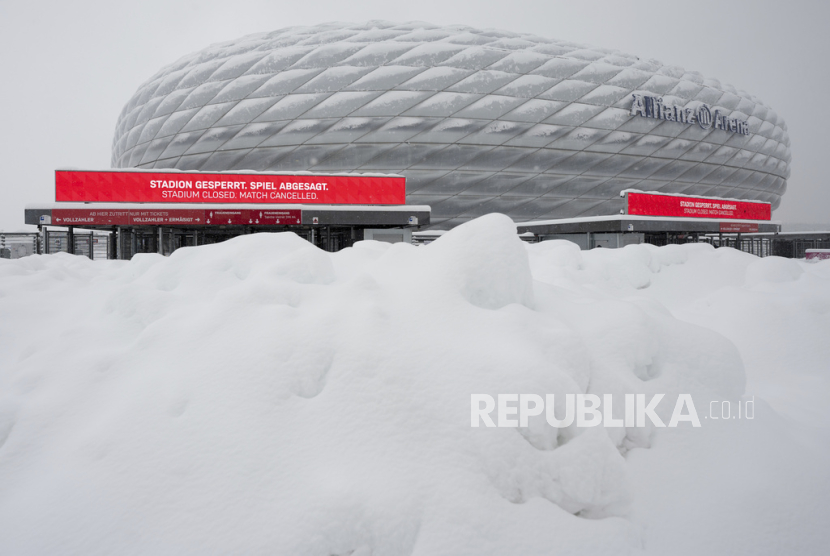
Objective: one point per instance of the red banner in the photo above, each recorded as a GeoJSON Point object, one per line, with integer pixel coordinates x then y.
{"type": "Point", "coordinates": [650, 204]}
{"type": "Point", "coordinates": [191, 187]}
{"type": "Point", "coordinates": [175, 217]}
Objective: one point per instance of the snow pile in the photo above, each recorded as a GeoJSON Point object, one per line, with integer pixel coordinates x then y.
{"type": "Point", "coordinates": [262, 396]}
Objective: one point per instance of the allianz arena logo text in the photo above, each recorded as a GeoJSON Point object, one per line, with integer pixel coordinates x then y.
{"type": "Point", "coordinates": [653, 107]}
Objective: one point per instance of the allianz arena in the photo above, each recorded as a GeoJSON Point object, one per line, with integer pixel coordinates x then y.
{"type": "Point", "coordinates": [478, 121]}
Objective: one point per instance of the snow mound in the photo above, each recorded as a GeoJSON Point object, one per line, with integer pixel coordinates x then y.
{"type": "Point", "coordinates": [263, 396]}
{"type": "Point", "coordinates": [486, 261]}
{"type": "Point", "coordinates": [772, 270]}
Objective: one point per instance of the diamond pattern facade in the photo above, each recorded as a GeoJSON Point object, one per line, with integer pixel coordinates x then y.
{"type": "Point", "coordinates": [478, 121]}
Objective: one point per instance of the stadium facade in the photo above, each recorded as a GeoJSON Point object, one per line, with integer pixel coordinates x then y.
{"type": "Point", "coordinates": [478, 121]}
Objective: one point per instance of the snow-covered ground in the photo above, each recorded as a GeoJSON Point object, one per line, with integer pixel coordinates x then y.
{"type": "Point", "coordinates": [260, 396]}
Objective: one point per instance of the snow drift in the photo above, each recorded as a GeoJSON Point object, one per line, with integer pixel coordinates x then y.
{"type": "Point", "coordinates": [262, 396]}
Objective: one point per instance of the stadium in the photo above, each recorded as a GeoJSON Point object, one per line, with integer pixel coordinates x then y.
{"type": "Point", "coordinates": [477, 121]}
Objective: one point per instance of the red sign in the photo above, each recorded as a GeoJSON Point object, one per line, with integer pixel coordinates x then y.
{"type": "Point", "coordinates": [252, 217]}
{"type": "Point", "coordinates": [739, 227]}
{"type": "Point", "coordinates": [174, 216]}
{"type": "Point", "coordinates": [184, 187]}
{"type": "Point", "coordinates": [817, 254]}
{"type": "Point", "coordinates": [651, 204]}
{"type": "Point", "coordinates": [79, 217]}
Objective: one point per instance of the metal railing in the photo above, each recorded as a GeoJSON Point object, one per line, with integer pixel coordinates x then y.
{"type": "Point", "coordinates": [87, 244]}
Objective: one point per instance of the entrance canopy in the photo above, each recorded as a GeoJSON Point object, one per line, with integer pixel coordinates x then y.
{"type": "Point", "coordinates": [162, 210]}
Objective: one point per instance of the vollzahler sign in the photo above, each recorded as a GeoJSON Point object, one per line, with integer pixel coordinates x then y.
{"type": "Point", "coordinates": [654, 107]}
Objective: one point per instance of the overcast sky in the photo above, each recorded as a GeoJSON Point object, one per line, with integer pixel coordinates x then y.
{"type": "Point", "coordinates": [67, 68]}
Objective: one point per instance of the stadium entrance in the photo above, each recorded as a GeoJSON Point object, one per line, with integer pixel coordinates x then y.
{"type": "Point", "coordinates": [143, 213]}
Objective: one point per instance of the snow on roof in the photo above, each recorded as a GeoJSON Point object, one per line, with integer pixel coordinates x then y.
{"type": "Point", "coordinates": [247, 172]}
{"type": "Point", "coordinates": [634, 217]}
{"type": "Point", "coordinates": [225, 206]}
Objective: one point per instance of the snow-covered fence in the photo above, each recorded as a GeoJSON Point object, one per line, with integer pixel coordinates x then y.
{"type": "Point", "coordinates": [17, 245]}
